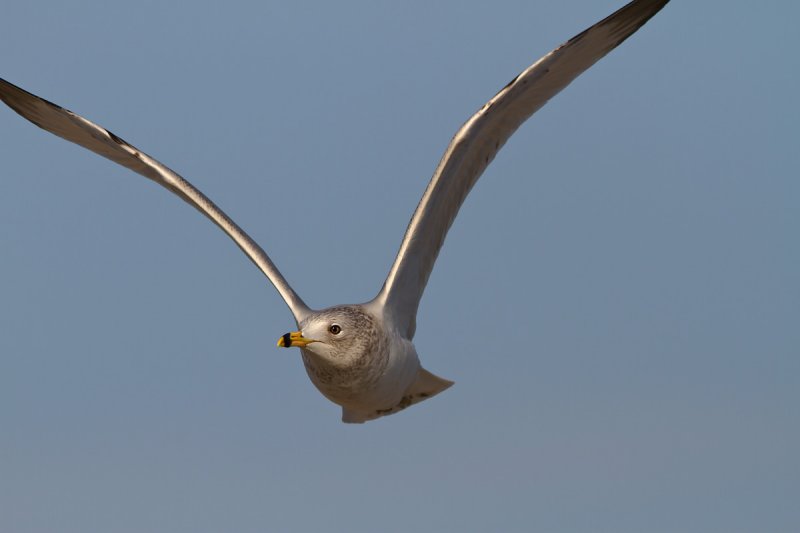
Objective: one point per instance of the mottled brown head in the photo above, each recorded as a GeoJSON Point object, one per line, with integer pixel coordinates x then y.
{"type": "Point", "coordinates": [339, 334]}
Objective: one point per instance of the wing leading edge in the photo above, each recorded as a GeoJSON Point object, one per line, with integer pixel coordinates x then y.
{"type": "Point", "coordinates": [99, 140]}
{"type": "Point", "coordinates": [475, 145]}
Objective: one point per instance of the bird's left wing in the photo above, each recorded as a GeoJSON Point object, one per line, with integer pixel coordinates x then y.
{"type": "Point", "coordinates": [77, 129]}
{"type": "Point", "coordinates": [478, 141]}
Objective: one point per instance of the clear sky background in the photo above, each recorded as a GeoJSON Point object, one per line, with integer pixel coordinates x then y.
{"type": "Point", "coordinates": [618, 301]}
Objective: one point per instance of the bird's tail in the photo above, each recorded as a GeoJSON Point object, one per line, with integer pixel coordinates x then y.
{"type": "Point", "coordinates": [426, 386]}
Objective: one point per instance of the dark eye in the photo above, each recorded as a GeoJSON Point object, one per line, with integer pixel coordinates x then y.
{"type": "Point", "coordinates": [335, 329]}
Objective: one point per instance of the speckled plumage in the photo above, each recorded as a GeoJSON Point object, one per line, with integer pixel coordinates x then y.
{"type": "Point", "coordinates": [357, 360]}
{"type": "Point", "coordinates": [366, 368]}
{"type": "Point", "coordinates": [367, 363]}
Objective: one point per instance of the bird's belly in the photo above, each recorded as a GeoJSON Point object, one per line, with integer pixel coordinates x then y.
{"type": "Point", "coordinates": [364, 387]}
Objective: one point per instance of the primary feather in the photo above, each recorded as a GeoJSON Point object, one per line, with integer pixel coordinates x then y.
{"type": "Point", "coordinates": [361, 356]}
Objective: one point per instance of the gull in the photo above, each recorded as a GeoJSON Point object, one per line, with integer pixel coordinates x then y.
{"type": "Point", "coordinates": [361, 357]}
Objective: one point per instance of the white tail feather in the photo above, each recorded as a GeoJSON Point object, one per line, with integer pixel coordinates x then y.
{"type": "Point", "coordinates": [426, 386]}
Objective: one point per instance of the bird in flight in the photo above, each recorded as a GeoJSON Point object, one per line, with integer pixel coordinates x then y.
{"type": "Point", "coordinates": [361, 357]}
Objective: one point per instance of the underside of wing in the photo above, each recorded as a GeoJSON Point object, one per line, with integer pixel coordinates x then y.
{"type": "Point", "coordinates": [477, 142]}
{"type": "Point", "coordinates": [77, 129]}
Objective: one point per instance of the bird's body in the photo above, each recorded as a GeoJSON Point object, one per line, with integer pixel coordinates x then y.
{"type": "Point", "coordinates": [362, 357]}
{"type": "Point", "coordinates": [368, 368]}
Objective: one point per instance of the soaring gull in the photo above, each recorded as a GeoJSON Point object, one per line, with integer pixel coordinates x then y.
{"type": "Point", "coordinates": [361, 356]}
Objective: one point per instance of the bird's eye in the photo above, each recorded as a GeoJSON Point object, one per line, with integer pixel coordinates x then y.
{"type": "Point", "coordinates": [335, 329]}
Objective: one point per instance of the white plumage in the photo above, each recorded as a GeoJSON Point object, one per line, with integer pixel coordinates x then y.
{"type": "Point", "coordinates": [361, 356]}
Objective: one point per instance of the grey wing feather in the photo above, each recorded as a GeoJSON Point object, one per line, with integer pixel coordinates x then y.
{"type": "Point", "coordinates": [77, 129]}
{"type": "Point", "coordinates": [478, 141]}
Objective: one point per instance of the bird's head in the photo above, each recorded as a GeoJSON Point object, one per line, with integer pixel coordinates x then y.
{"type": "Point", "coordinates": [337, 334]}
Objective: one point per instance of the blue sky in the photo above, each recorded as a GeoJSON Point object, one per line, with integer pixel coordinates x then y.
{"type": "Point", "coordinates": [618, 300]}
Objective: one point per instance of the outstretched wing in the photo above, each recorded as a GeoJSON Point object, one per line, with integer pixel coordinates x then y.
{"type": "Point", "coordinates": [478, 141]}
{"type": "Point", "coordinates": [77, 129]}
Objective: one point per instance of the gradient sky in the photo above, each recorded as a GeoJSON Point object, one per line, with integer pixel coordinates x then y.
{"type": "Point", "coordinates": [618, 300]}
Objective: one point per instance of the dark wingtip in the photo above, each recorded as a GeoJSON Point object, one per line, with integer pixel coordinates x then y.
{"type": "Point", "coordinates": [637, 11]}
{"type": "Point", "coordinates": [8, 99]}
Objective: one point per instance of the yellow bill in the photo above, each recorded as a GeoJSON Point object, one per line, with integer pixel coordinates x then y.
{"type": "Point", "coordinates": [295, 338]}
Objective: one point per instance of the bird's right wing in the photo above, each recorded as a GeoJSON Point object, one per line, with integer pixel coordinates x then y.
{"type": "Point", "coordinates": [478, 141]}
{"type": "Point", "coordinates": [77, 129]}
